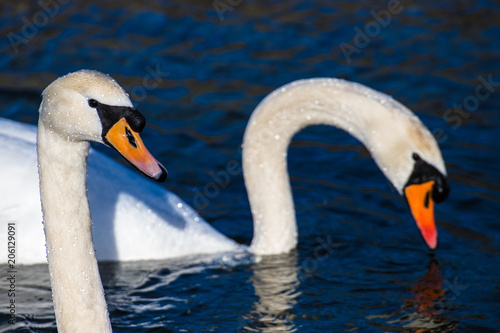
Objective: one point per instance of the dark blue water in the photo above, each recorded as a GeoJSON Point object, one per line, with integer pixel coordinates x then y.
{"type": "Point", "coordinates": [198, 70]}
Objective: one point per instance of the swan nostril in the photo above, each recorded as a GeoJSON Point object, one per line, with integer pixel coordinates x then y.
{"type": "Point", "coordinates": [130, 137]}
{"type": "Point", "coordinates": [426, 200]}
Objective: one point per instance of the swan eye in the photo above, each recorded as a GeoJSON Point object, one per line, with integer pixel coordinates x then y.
{"type": "Point", "coordinates": [93, 103]}
{"type": "Point", "coordinates": [424, 172]}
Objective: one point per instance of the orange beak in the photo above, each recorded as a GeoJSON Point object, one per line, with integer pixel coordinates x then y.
{"type": "Point", "coordinates": [129, 144]}
{"type": "Point", "coordinates": [419, 198]}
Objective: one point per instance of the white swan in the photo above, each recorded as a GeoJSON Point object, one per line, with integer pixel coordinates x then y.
{"type": "Point", "coordinates": [78, 108]}
{"type": "Point", "coordinates": [402, 147]}
{"type": "Point", "coordinates": [135, 219]}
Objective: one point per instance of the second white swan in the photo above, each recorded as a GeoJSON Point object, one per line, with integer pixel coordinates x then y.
{"type": "Point", "coordinates": [402, 147]}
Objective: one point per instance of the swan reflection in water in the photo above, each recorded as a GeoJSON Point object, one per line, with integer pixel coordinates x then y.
{"type": "Point", "coordinates": [275, 281]}
{"type": "Point", "coordinates": [425, 310]}
{"type": "Point", "coordinates": [427, 292]}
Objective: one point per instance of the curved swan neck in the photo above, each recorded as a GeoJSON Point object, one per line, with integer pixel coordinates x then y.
{"type": "Point", "coordinates": [384, 126]}
{"type": "Point", "coordinates": [77, 290]}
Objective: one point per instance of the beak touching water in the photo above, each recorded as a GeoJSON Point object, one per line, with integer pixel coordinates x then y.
{"type": "Point", "coordinates": [129, 144]}
{"type": "Point", "coordinates": [419, 197]}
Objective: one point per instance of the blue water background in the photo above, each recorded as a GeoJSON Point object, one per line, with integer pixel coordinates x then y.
{"type": "Point", "coordinates": [360, 265]}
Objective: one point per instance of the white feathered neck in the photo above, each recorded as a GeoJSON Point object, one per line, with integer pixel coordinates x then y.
{"type": "Point", "coordinates": [390, 131]}
{"type": "Point", "coordinates": [66, 124]}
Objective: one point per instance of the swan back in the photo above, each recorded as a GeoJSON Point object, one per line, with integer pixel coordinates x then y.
{"type": "Point", "coordinates": [124, 208]}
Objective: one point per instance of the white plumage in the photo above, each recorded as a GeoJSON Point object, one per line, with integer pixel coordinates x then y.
{"type": "Point", "coordinates": [133, 217]}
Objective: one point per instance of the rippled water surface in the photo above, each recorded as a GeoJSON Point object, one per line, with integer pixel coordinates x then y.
{"type": "Point", "coordinates": [360, 265]}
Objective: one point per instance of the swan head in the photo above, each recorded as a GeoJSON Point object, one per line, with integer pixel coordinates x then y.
{"type": "Point", "coordinates": [426, 185]}
{"type": "Point", "coordinates": [91, 106]}
{"type": "Point", "coordinates": [411, 159]}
